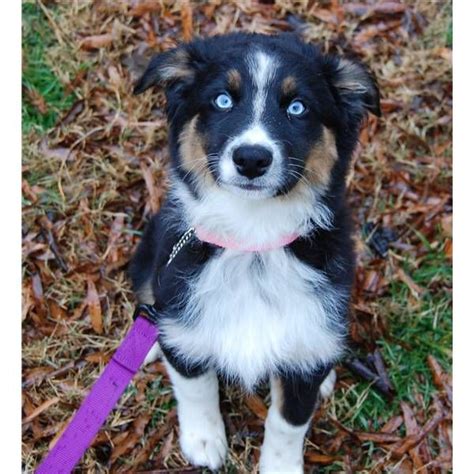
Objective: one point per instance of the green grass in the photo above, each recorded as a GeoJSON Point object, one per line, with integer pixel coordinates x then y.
{"type": "Point", "coordinates": [449, 35]}
{"type": "Point", "coordinates": [37, 74]}
{"type": "Point", "coordinates": [417, 329]}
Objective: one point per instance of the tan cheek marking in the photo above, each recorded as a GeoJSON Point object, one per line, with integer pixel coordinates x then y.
{"type": "Point", "coordinates": [288, 85]}
{"type": "Point", "coordinates": [235, 80]}
{"type": "Point", "coordinates": [321, 160]}
{"type": "Point", "coordinates": [193, 155]}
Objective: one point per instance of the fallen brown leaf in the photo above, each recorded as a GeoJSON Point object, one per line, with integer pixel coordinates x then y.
{"type": "Point", "coordinates": [416, 290]}
{"type": "Point", "coordinates": [145, 6]}
{"type": "Point", "coordinates": [96, 42]}
{"type": "Point", "coordinates": [56, 311]}
{"type": "Point", "coordinates": [312, 457]}
{"type": "Point", "coordinates": [36, 99]}
{"type": "Point", "coordinates": [93, 305]}
{"type": "Point", "coordinates": [383, 438]}
{"type": "Point", "coordinates": [412, 429]}
{"type": "Point", "coordinates": [44, 406]}
{"type": "Point", "coordinates": [115, 232]}
{"type": "Point", "coordinates": [255, 403]}
{"type": "Point", "coordinates": [59, 153]}
{"type": "Point", "coordinates": [131, 438]}
{"type": "Point", "coordinates": [367, 10]}
{"type": "Point", "coordinates": [28, 191]}
{"type": "Point", "coordinates": [410, 441]}
{"type": "Point", "coordinates": [151, 187]}
{"type": "Point", "coordinates": [392, 425]}
{"type": "Point", "coordinates": [187, 20]}
{"type": "Point", "coordinates": [324, 15]}
{"type": "Point", "coordinates": [76, 109]}
{"type": "Point", "coordinates": [165, 449]}
{"type": "Point", "coordinates": [99, 357]}
{"type": "Point", "coordinates": [439, 377]}
{"type": "Point", "coordinates": [153, 439]}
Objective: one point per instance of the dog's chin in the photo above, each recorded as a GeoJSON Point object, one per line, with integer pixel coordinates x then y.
{"type": "Point", "coordinates": [250, 191]}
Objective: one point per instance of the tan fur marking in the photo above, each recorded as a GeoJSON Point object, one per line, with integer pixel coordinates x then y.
{"type": "Point", "coordinates": [193, 156]}
{"type": "Point", "coordinates": [288, 85]}
{"type": "Point", "coordinates": [353, 78]}
{"type": "Point", "coordinates": [234, 78]}
{"type": "Point", "coordinates": [178, 68]}
{"type": "Point", "coordinates": [321, 160]}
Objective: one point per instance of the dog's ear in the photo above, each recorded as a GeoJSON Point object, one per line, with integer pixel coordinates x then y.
{"type": "Point", "coordinates": [171, 67]}
{"type": "Point", "coordinates": [354, 85]}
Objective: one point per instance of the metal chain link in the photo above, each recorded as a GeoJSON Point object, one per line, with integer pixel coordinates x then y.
{"type": "Point", "coordinates": [185, 238]}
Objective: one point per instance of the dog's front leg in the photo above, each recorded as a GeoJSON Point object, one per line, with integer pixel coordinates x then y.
{"type": "Point", "coordinates": [202, 433]}
{"type": "Point", "coordinates": [293, 402]}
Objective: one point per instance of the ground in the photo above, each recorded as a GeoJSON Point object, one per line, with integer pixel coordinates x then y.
{"type": "Point", "coordinates": [94, 160]}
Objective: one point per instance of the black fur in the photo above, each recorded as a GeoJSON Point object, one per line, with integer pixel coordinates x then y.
{"type": "Point", "coordinates": [300, 395]}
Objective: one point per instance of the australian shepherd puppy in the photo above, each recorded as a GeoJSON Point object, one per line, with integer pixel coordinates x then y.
{"type": "Point", "coordinates": [261, 133]}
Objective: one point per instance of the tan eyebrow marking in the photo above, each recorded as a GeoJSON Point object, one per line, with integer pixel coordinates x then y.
{"type": "Point", "coordinates": [234, 78]}
{"type": "Point", "coordinates": [288, 85]}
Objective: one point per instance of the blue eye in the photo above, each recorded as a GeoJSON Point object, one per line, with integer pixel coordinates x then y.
{"type": "Point", "coordinates": [223, 102]}
{"type": "Point", "coordinates": [296, 108]}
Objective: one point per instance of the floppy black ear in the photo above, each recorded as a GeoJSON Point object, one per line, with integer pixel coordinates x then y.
{"type": "Point", "coordinates": [354, 85]}
{"type": "Point", "coordinates": [166, 68]}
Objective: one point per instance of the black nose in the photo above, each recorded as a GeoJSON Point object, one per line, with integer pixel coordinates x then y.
{"type": "Point", "coordinates": [252, 161]}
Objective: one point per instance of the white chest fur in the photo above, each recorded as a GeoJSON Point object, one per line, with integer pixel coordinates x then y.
{"type": "Point", "coordinates": [254, 314]}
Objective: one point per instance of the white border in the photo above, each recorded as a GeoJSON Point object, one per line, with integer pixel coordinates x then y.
{"type": "Point", "coordinates": [10, 189]}
{"type": "Point", "coordinates": [463, 235]}
{"type": "Point", "coordinates": [11, 237]}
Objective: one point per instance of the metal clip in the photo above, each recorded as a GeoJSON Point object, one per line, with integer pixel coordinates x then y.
{"type": "Point", "coordinates": [147, 311]}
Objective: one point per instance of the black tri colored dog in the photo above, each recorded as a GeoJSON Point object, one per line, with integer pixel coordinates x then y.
{"type": "Point", "coordinates": [261, 133]}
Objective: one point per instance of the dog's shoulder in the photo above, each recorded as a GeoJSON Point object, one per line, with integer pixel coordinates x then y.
{"type": "Point", "coordinates": [154, 247]}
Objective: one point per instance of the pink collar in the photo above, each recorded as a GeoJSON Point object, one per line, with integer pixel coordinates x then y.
{"type": "Point", "coordinates": [226, 243]}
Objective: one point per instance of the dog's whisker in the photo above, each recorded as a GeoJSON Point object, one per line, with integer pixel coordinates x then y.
{"type": "Point", "coordinates": [197, 167]}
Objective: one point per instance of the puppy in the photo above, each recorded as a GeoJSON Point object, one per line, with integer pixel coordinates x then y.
{"type": "Point", "coordinates": [261, 133]}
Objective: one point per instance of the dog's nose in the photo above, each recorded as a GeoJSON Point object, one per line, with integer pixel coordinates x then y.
{"type": "Point", "coordinates": [252, 161]}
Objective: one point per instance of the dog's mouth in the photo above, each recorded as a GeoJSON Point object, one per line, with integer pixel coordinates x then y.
{"type": "Point", "coordinates": [249, 189]}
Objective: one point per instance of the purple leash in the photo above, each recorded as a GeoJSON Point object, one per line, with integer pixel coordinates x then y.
{"type": "Point", "coordinates": [104, 394]}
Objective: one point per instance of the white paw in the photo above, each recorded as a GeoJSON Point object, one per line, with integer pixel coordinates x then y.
{"type": "Point", "coordinates": [275, 468]}
{"type": "Point", "coordinates": [153, 354]}
{"type": "Point", "coordinates": [204, 444]}
{"type": "Point", "coordinates": [201, 429]}
{"type": "Point", "coordinates": [282, 449]}
{"type": "Point", "coordinates": [327, 387]}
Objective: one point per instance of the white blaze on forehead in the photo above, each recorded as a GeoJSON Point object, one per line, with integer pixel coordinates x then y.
{"type": "Point", "coordinates": [262, 70]}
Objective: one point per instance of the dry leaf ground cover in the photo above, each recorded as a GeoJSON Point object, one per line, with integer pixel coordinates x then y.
{"type": "Point", "coordinates": [94, 169]}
